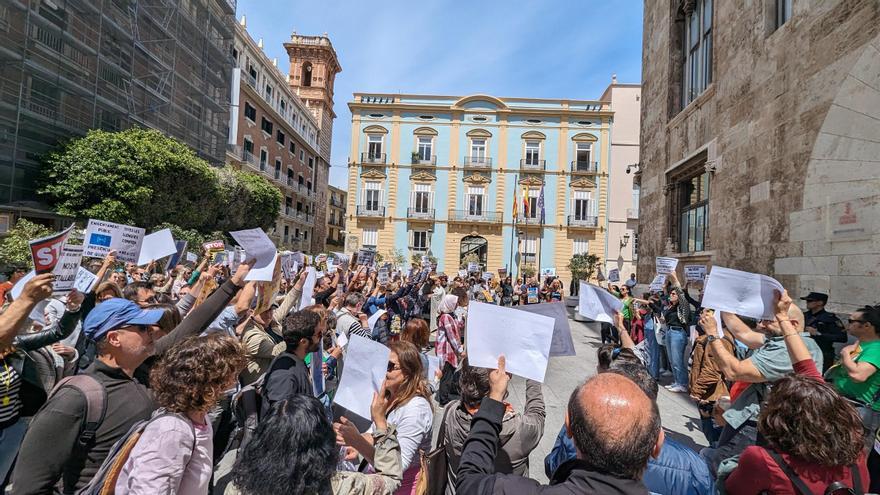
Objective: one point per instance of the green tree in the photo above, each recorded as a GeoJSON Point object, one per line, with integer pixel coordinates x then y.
{"type": "Point", "coordinates": [14, 248]}
{"type": "Point", "coordinates": [417, 259]}
{"type": "Point", "coordinates": [247, 201]}
{"type": "Point", "coordinates": [396, 257]}
{"type": "Point", "coordinates": [136, 176]}
{"type": "Point", "coordinates": [468, 258]}
{"type": "Point", "coordinates": [583, 266]}
{"type": "Point", "coordinates": [529, 270]}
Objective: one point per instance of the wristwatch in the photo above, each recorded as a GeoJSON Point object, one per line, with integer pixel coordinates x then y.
{"type": "Point", "coordinates": [712, 338]}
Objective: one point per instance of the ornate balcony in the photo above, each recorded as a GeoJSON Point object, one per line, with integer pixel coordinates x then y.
{"type": "Point", "coordinates": [477, 162]}
{"type": "Point", "coordinates": [420, 213]}
{"type": "Point", "coordinates": [583, 221]}
{"type": "Point", "coordinates": [373, 158]}
{"type": "Point", "coordinates": [374, 212]}
{"type": "Point", "coordinates": [532, 165]}
{"type": "Point", "coordinates": [418, 159]}
{"type": "Point", "coordinates": [584, 167]}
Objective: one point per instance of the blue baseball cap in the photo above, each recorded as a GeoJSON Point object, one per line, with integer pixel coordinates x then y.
{"type": "Point", "coordinates": [115, 313]}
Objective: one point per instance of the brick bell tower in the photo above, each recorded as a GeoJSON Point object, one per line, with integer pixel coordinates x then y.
{"type": "Point", "coordinates": [313, 69]}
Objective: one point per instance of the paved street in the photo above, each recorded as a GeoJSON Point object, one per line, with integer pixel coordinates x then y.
{"type": "Point", "coordinates": [679, 416]}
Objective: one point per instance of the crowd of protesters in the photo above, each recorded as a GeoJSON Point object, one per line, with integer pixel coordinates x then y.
{"type": "Point", "coordinates": [143, 383]}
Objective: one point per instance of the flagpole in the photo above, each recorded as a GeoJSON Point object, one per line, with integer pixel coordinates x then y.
{"type": "Point", "coordinates": [513, 229]}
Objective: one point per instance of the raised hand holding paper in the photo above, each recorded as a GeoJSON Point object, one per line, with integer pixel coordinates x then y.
{"type": "Point", "coordinates": [742, 293]}
{"type": "Point", "coordinates": [597, 303]}
{"type": "Point", "coordinates": [562, 344]}
{"type": "Point", "coordinates": [308, 288]}
{"type": "Point", "coordinates": [102, 237]}
{"type": "Point", "coordinates": [523, 338]}
{"type": "Point", "coordinates": [366, 363]}
{"type": "Point", "coordinates": [257, 245]}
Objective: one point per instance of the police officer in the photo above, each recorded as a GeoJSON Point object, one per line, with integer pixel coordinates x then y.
{"type": "Point", "coordinates": [824, 327]}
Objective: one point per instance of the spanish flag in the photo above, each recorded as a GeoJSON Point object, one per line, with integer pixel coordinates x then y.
{"type": "Point", "coordinates": [515, 204]}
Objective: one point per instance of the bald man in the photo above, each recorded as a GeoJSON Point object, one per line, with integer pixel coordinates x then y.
{"type": "Point", "coordinates": [615, 428]}
{"type": "Point", "coordinates": [768, 362]}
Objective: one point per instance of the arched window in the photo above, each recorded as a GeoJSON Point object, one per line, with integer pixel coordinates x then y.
{"type": "Point", "coordinates": [307, 74]}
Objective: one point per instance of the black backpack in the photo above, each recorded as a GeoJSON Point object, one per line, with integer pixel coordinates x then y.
{"type": "Point", "coordinates": [834, 488]}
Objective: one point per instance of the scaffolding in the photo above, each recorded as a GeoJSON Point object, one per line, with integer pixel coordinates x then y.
{"type": "Point", "coordinates": [68, 66]}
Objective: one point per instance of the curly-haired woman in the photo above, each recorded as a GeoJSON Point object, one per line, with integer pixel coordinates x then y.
{"type": "Point", "coordinates": [813, 436]}
{"type": "Point", "coordinates": [174, 453]}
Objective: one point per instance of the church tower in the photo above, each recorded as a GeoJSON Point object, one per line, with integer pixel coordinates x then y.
{"type": "Point", "coordinates": [313, 69]}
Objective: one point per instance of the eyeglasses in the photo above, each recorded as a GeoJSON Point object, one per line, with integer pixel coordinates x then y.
{"type": "Point", "coordinates": [136, 328]}
{"type": "Point", "coordinates": [392, 366]}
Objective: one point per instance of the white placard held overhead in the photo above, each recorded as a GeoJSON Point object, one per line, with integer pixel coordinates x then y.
{"type": "Point", "coordinates": [666, 266]}
{"type": "Point", "coordinates": [66, 269]}
{"type": "Point", "coordinates": [473, 267]}
{"type": "Point", "coordinates": [366, 363]}
{"type": "Point", "coordinates": [433, 368]}
{"type": "Point", "coordinates": [742, 293]}
{"type": "Point", "coordinates": [597, 303]}
{"type": "Point", "coordinates": [257, 245]}
{"type": "Point", "coordinates": [102, 237]}
{"type": "Point", "coordinates": [695, 273]}
{"type": "Point", "coordinates": [463, 273]}
{"type": "Point", "coordinates": [374, 318]}
{"type": "Point", "coordinates": [192, 257]}
{"type": "Point", "coordinates": [85, 280]}
{"type": "Point", "coordinates": [523, 338]}
{"type": "Point", "coordinates": [487, 276]}
{"type": "Point", "coordinates": [155, 246]}
{"type": "Point", "coordinates": [308, 288]}
{"type": "Point", "coordinates": [548, 272]}
{"type": "Point", "coordinates": [261, 274]}
{"type": "Point", "coordinates": [614, 275]}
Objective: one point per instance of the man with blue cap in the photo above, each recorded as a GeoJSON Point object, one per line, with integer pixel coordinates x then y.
{"type": "Point", "coordinates": [86, 414]}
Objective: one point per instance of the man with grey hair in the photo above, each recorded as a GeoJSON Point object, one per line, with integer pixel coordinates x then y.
{"type": "Point", "coordinates": [350, 320]}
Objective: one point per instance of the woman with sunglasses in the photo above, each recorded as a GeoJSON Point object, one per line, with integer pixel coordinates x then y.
{"type": "Point", "coordinates": [410, 411]}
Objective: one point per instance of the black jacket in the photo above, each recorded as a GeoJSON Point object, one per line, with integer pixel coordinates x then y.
{"type": "Point", "coordinates": [48, 451]}
{"type": "Point", "coordinates": [476, 470]}
{"type": "Point", "coordinates": [288, 375]}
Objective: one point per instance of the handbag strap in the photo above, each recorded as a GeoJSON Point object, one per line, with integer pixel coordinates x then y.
{"type": "Point", "coordinates": [441, 440]}
{"type": "Point", "coordinates": [789, 472]}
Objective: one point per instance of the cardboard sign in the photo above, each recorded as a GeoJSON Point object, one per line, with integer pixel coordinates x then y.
{"type": "Point", "coordinates": [212, 248]}
{"type": "Point", "coordinates": [614, 275]}
{"type": "Point", "coordinates": [666, 266]}
{"type": "Point", "coordinates": [695, 273]}
{"type": "Point", "coordinates": [156, 246]}
{"type": "Point", "coordinates": [473, 267]}
{"type": "Point", "coordinates": [66, 269]}
{"type": "Point", "coordinates": [180, 247]}
{"type": "Point", "coordinates": [46, 251]}
{"type": "Point", "coordinates": [102, 237]}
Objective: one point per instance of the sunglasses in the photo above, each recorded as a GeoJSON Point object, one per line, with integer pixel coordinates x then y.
{"type": "Point", "coordinates": [136, 328]}
{"type": "Point", "coordinates": [392, 366]}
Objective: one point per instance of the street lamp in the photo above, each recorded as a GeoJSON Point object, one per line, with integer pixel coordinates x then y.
{"type": "Point", "coordinates": [624, 241]}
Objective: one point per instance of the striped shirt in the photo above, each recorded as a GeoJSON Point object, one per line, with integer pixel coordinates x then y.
{"type": "Point", "coordinates": [10, 383]}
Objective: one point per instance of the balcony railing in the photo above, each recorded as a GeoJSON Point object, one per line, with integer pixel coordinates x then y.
{"type": "Point", "coordinates": [527, 164]}
{"type": "Point", "coordinates": [364, 211]}
{"type": "Point", "coordinates": [423, 213]}
{"type": "Point", "coordinates": [336, 202]}
{"type": "Point", "coordinates": [585, 167]}
{"type": "Point", "coordinates": [632, 213]}
{"type": "Point", "coordinates": [582, 221]}
{"type": "Point", "coordinates": [248, 157]}
{"type": "Point", "coordinates": [477, 161]}
{"type": "Point", "coordinates": [375, 158]}
{"type": "Point", "coordinates": [424, 160]}
{"type": "Point", "coordinates": [472, 217]}
{"type": "Point", "coordinates": [529, 220]}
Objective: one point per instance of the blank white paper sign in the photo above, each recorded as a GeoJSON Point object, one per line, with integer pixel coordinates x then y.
{"type": "Point", "coordinates": [308, 288]}
{"type": "Point", "coordinates": [741, 293]}
{"type": "Point", "coordinates": [523, 338]}
{"type": "Point", "coordinates": [597, 303]}
{"type": "Point", "coordinates": [366, 363]}
{"type": "Point", "coordinates": [156, 246]}
{"type": "Point", "coordinates": [264, 274]}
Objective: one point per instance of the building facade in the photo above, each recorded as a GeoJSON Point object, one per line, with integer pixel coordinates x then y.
{"type": "Point", "coordinates": [621, 250]}
{"type": "Point", "coordinates": [273, 133]}
{"type": "Point", "coordinates": [337, 199]}
{"type": "Point", "coordinates": [439, 175]}
{"type": "Point", "coordinates": [70, 66]}
{"type": "Point", "coordinates": [759, 144]}
{"type": "Point", "coordinates": [312, 74]}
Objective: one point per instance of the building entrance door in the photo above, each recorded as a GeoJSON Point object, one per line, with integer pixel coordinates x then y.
{"type": "Point", "coordinates": [474, 245]}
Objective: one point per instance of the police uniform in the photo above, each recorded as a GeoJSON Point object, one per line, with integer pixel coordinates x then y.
{"type": "Point", "coordinates": [829, 330]}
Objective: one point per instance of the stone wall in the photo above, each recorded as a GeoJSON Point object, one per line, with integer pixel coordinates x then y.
{"type": "Point", "coordinates": [791, 124]}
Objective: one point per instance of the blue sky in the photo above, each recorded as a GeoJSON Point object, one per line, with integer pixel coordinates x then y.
{"type": "Point", "coordinates": [540, 49]}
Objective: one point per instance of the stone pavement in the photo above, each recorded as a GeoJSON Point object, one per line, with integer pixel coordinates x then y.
{"type": "Point", "coordinates": [680, 418]}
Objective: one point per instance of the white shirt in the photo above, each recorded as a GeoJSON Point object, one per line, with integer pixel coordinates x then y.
{"type": "Point", "coordinates": [414, 421]}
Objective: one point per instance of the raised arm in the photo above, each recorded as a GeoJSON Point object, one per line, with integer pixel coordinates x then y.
{"type": "Point", "coordinates": [34, 291]}
{"type": "Point", "coordinates": [741, 331]}
{"type": "Point", "coordinates": [801, 359]}
{"type": "Point", "coordinates": [109, 261]}
{"type": "Point", "coordinates": [732, 368]}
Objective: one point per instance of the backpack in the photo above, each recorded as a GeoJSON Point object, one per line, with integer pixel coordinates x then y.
{"type": "Point", "coordinates": [104, 481]}
{"type": "Point", "coordinates": [833, 488]}
{"type": "Point", "coordinates": [246, 409]}
{"type": "Point", "coordinates": [96, 407]}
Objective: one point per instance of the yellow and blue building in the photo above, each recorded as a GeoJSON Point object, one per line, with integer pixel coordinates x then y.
{"type": "Point", "coordinates": [439, 175]}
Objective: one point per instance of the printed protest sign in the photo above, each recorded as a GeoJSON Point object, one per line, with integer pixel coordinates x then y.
{"type": "Point", "coordinates": [383, 274]}
{"type": "Point", "coordinates": [695, 273]}
{"type": "Point", "coordinates": [211, 249]}
{"type": "Point", "coordinates": [473, 267]}
{"type": "Point", "coordinates": [156, 246]}
{"type": "Point", "coordinates": [614, 275]}
{"type": "Point", "coordinates": [657, 284]}
{"type": "Point", "coordinates": [463, 273]}
{"type": "Point", "coordinates": [666, 266]}
{"type": "Point", "coordinates": [102, 237]}
{"type": "Point", "coordinates": [257, 245]}
{"type": "Point", "coordinates": [502, 272]}
{"type": "Point", "coordinates": [46, 251]}
{"type": "Point", "coordinates": [192, 257]}
{"type": "Point", "coordinates": [84, 280]}
{"type": "Point", "coordinates": [487, 276]}
{"type": "Point", "coordinates": [532, 295]}
{"type": "Point", "coordinates": [366, 257]}
{"type": "Point", "coordinates": [66, 269]}
{"type": "Point", "coordinates": [548, 272]}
